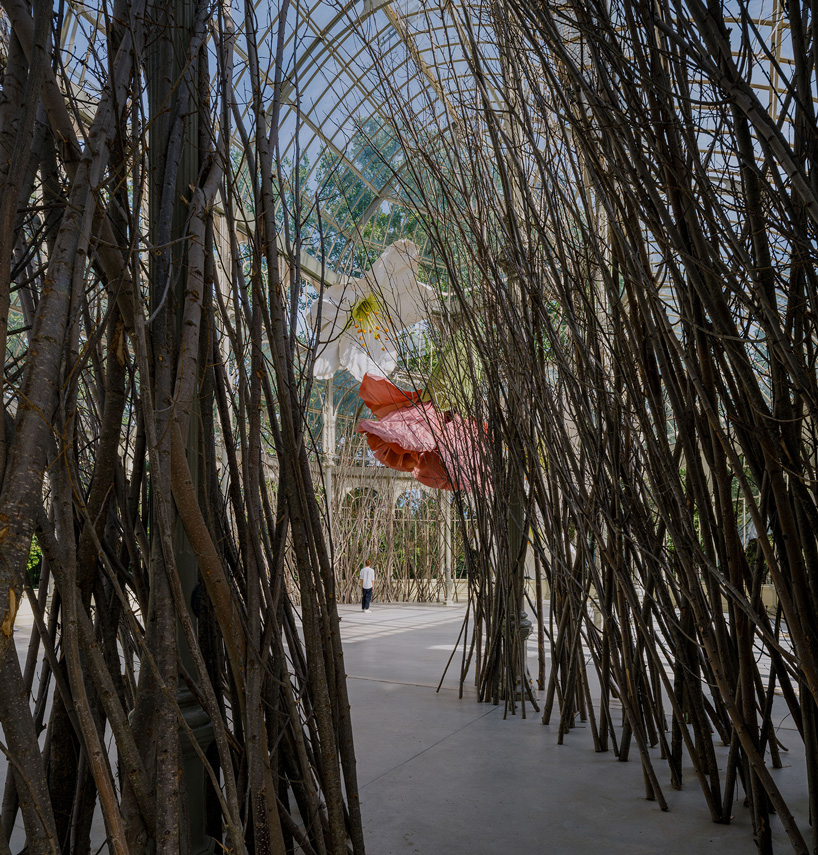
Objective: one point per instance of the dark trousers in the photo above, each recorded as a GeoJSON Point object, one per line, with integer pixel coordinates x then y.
{"type": "Point", "coordinates": [366, 597]}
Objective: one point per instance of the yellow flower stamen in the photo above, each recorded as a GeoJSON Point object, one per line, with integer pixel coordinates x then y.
{"type": "Point", "coordinates": [364, 311]}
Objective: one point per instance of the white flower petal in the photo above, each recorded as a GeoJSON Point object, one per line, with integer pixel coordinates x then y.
{"type": "Point", "coordinates": [327, 360]}
{"type": "Point", "coordinates": [408, 305]}
{"type": "Point", "coordinates": [400, 260]}
{"type": "Point", "coordinates": [343, 295]}
{"type": "Point", "coordinates": [370, 356]}
{"type": "Point", "coordinates": [335, 307]}
{"type": "Point", "coordinates": [393, 278]}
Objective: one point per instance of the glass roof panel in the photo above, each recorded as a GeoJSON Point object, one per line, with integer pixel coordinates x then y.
{"type": "Point", "coordinates": [334, 122]}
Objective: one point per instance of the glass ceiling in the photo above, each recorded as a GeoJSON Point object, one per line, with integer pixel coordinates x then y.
{"type": "Point", "coordinates": [334, 124]}
{"type": "Point", "coordinates": [346, 145]}
{"type": "Point", "coordinates": [333, 120]}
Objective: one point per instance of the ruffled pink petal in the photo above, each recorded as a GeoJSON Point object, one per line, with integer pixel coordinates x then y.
{"type": "Point", "coordinates": [391, 455]}
{"type": "Point", "coordinates": [412, 428]}
{"type": "Point", "coordinates": [462, 452]}
{"type": "Point", "coordinates": [383, 397]}
{"type": "Point", "coordinates": [429, 471]}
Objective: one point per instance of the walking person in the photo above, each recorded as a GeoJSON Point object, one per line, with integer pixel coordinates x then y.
{"type": "Point", "coordinates": [367, 583]}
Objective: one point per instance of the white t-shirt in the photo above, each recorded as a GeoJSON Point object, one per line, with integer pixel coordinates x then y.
{"type": "Point", "coordinates": [367, 576]}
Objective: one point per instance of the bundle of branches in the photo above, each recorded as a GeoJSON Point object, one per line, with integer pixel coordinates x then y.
{"type": "Point", "coordinates": [150, 271]}
{"type": "Point", "coordinates": [628, 229]}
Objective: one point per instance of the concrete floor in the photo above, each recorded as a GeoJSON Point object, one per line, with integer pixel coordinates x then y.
{"type": "Point", "coordinates": [441, 775]}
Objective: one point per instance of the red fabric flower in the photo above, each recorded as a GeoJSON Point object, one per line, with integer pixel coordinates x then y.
{"type": "Point", "coordinates": [383, 397]}
{"type": "Point", "coordinates": [440, 450]}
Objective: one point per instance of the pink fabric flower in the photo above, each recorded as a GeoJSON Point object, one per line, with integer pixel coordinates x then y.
{"type": "Point", "coordinates": [440, 450]}
{"type": "Point", "coordinates": [402, 435]}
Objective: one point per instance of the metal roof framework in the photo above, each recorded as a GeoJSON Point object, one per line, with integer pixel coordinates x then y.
{"type": "Point", "coordinates": [334, 121]}
{"type": "Point", "coordinates": [331, 99]}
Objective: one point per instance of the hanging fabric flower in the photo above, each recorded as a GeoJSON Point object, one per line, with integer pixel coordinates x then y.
{"type": "Point", "coordinates": [440, 449]}
{"type": "Point", "coordinates": [383, 397]}
{"type": "Point", "coordinates": [361, 318]}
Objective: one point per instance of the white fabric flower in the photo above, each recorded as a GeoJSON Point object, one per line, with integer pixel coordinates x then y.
{"type": "Point", "coordinates": [360, 318]}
